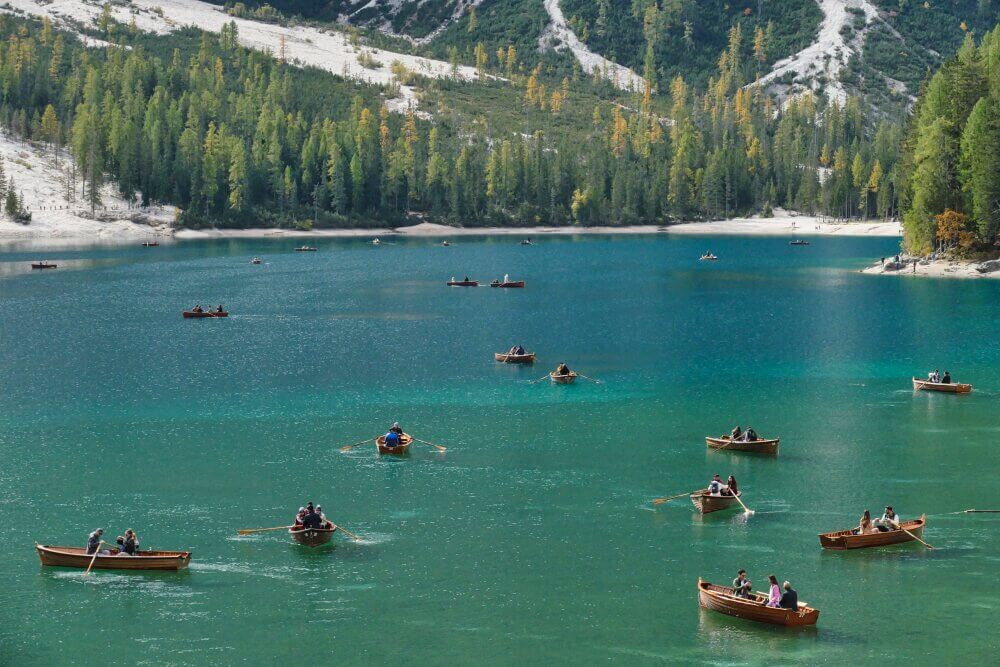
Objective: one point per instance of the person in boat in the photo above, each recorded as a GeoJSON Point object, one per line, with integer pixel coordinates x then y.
{"type": "Point", "coordinates": [219, 309]}
{"type": "Point", "coordinates": [736, 433]}
{"type": "Point", "coordinates": [128, 544]}
{"type": "Point", "coordinates": [519, 351]}
{"type": "Point", "coordinates": [865, 524]}
{"type": "Point", "coordinates": [466, 279]}
{"type": "Point", "coordinates": [774, 594]}
{"type": "Point", "coordinates": [324, 522]}
{"type": "Point", "coordinates": [197, 309]}
{"type": "Point", "coordinates": [397, 429]}
{"type": "Point", "coordinates": [888, 521]}
{"type": "Point", "coordinates": [730, 489]}
{"type": "Point", "coordinates": [562, 369]}
{"type": "Point", "coordinates": [94, 541]}
{"type": "Point", "coordinates": [742, 585]}
{"type": "Point", "coordinates": [750, 435]}
{"type": "Point", "coordinates": [512, 352]}
{"type": "Point", "coordinates": [506, 278]}
{"type": "Point", "coordinates": [947, 378]}
{"type": "Point", "coordinates": [790, 598]}
{"type": "Point", "coordinates": [715, 486]}
{"type": "Point", "coordinates": [312, 518]}
{"type": "Point", "coordinates": [392, 439]}
{"type": "Point", "coordinates": [297, 523]}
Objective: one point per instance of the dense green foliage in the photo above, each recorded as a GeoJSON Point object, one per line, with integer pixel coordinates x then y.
{"type": "Point", "coordinates": [234, 137]}
{"type": "Point", "coordinates": [686, 36]}
{"type": "Point", "coordinates": [951, 163]}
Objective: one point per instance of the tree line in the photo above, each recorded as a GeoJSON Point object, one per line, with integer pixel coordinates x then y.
{"type": "Point", "coordinates": [234, 137]}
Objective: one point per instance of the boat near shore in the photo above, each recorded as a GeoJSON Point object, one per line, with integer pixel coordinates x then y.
{"type": "Point", "coordinates": [142, 560]}
{"type": "Point", "coordinates": [842, 540]}
{"type": "Point", "coordinates": [723, 600]}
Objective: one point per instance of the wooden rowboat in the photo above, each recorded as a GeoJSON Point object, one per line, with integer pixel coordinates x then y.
{"type": "Point", "coordinates": [306, 248]}
{"type": "Point", "coordinates": [463, 283]}
{"type": "Point", "coordinates": [43, 265]}
{"type": "Point", "coordinates": [798, 242]}
{"type": "Point", "coordinates": [722, 600]}
{"type": "Point", "coordinates": [189, 314]}
{"type": "Point", "coordinates": [508, 284]}
{"type": "Point", "coordinates": [846, 539]}
{"type": "Point", "coordinates": [402, 448]}
{"type": "Point", "coordinates": [707, 503]}
{"type": "Point", "coordinates": [569, 378]}
{"type": "Point", "coordinates": [526, 358]}
{"type": "Point", "coordinates": [143, 560]}
{"type": "Point", "coordinates": [710, 258]}
{"type": "Point", "coordinates": [760, 446]}
{"type": "Point", "coordinates": [950, 388]}
{"type": "Point", "coordinates": [312, 537]}
{"type": "Point", "coordinates": [150, 244]}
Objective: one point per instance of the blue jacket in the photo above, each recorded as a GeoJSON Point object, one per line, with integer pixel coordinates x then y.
{"type": "Point", "coordinates": [391, 439]}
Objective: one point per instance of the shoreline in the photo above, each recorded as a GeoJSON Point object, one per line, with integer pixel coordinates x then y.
{"type": "Point", "coordinates": [123, 233]}
{"type": "Point", "coordinates": [941, 268]}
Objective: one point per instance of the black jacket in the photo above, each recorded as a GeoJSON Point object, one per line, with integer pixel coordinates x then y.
{"type": "Point", "coordinates": [789, 600]}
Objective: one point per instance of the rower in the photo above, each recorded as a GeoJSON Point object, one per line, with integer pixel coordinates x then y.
{"type": "Point", "coordinates": [888, 521]}
{"type": "Point", "coordinates": [94, 541]}
{"type": "Point", "coordinates": [197, 309]}
{"type": "Point", "coordinates": [219, 309]}
{"type": "Point", "coordinates": [730, 489]}
{"type": "Point", "coordinates": [741, 585]}
{"type": "Point", "coordinates": [563, 369]}
{"type": "Point", "coordinates": [736, 433]}
{"type": "Point", "coordinates": [512, 352]}
{"type": "Point", "coordinates": [947, 378]}
{"type": "Point", "coordinates": [312, 519]}
{"type": "Point", "coordinates": [397, 429]}
{"type": "Point", "coordinates": [715, 486]}
{"type": "Point", "coordinates": [520, 350]}
{"type": "Point", "coordinates": [750, 435]}
{"type": "Point", "coordinates": [466, 279]}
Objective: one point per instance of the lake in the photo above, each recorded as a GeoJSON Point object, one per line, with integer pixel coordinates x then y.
{"type": "Point", "coordinates": [532, 539]}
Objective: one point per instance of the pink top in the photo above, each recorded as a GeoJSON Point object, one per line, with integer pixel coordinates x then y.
{"type": "Point", "coordinates": [775, 598]}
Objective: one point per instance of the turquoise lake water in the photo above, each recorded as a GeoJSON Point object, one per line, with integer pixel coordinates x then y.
{"type": "Point", "coordinates": [532, 539]}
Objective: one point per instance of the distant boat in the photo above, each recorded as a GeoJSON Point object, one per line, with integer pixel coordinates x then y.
{"type": "Point", "coordinates": [142, 560]}
{"type": "Point", "coordinates": [43, 265]}
{"type": "Point", "coordinates": [568, 378]}
{"type": "Point", "coordinates": [307, 248]}
{"type": "Point", "coordinates": [312, 537]}
{"type": "Point", "coordinates": [445, 244]}
{"type": "Point", "coordinates": [150, 244]}
{"type": "Point", "coordinates": [798, 242]}
{"type": "Point", "coordinates": [723, 600]}
{"type": "Point", "coordinates": [376, 242]}
{"type": "Point", "coordinates": [507, 284]}
{"type": "Point", "coordinates": [706, 503]}
{"type": "Point", "coordinates": [759, 446]}
{"type": "Point", "coordinates": [949, 388]}
{"type": "Point", "coordinates": [190, 314]}
{"type": "Point", "coordinates": [405, 440]}
{"type": "Point", "coordinates": [463, 283]}
{"type": "Point", "coordinates": [526, 242]}
{"type": "Point", "coordinates": [847, 539]}
{"type": "Point", "coordinates": [526, 358]}
{"type": "Point", "coordinates": [708, 256]}
{"type": "Point", "coordinates": [255, 260]}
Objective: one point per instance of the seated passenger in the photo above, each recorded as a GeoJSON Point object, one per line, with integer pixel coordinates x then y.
{"type": "Point", "coordinates": [947, 378]}
{"type": "Point", "coordinates": [715, 486]}
{"type": "Point", "coordinates": [736, 433]}
{"type": "Point", "coordinates": [391, 439]}
{"type": "Point", "coordinates": [741, 585]}
{"type": "Point", "coordinates": [790, 598]}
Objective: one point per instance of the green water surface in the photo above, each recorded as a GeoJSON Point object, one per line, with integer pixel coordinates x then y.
{"type": "Point", "coordinates": [532, 539]}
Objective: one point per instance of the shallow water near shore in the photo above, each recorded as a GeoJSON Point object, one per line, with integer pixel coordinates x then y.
{"type": "Point", "coordinates": [532, 538]}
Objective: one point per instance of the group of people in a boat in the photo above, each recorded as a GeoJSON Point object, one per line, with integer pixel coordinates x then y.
{"type": "Point", "coordinates": [394, 438]}
{"type": "Point", "coordinates": [885, 523]}
{"type": "Point", "coordinates": [936, 377]}
{"type": "Point", "coordinates": [739, 435]}
{"type": "Point", "coordinates": [311, 517]}
{"type": "Point", "coordinates": [199, 309]}
{"type": "Point", "coordinates": [516, 351]}
{"type": "Point", "coordinates": [719, 488]}
{"type": "Point", "coordinates": [128, 544]}
{"type": "Point", "coordinates": [784, 597]}
{"type": "Point", "coordinates": [563, 369]}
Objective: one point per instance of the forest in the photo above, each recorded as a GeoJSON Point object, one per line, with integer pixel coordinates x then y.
{"type": "Point", "coordinates": [236, 137]}
{"type": "Point", "coordinates": [950, 165]}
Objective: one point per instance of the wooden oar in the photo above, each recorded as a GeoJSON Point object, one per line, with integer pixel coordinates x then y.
{"type": "Point", "coordinates": [740, 500]}
{"type": "Point", "coordinates": [346, 448]}
{"type": "Point", "coordinates": [94, 559]}
{"type": "Point", "coordinates": [587, 378]}
{"type": "Point", "coordinates": [544, 377]}
{"type": "Point", "coordinates": [660, 501]}
{"type": "Point", "coordinates": [439, 447]}
{"type": "Point", "coordinates": [348, 533]}
{"type": "Point", "coordinates": [249, 531]}
{"type": "Point", "coordinates": [979, 511]}
{"type": "Point", "coordinates": [914, 536]}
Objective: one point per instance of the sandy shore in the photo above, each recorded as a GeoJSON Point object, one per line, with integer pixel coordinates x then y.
{"type": "Point", "coordinates": [787, 225]}
{"type": "Point", "coordinates": [942, 268]}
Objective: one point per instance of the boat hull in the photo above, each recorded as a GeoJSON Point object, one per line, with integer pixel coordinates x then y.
{"type": "Point", "coordinates": [722, 600]}
{"type": "Point", "coordinates": [463, 283]}
{"type": "Point", "coordinates": [509, 285]}
{"type": "Point", "coordinates": [515, 358]}
{"type": "Point", "coordinates": [399, 450]}
{"type": "Point", "coordinates": [312, 537]}
{"type": "Point", "coordinates": [845, 539]}
{"type": "Point", "coordinates": [563, 379]}
{"type": "Point", "coordinates": [145, 560]}
{"type": "Point", "coordinates": [768, 447]}
{"type": "Point", "coordinates": [950, 388]}
{"type": "Point", "coordinates": [190, 315]}
{"type": "Point", "coordinates": [44, 266]}
{"type": "Point", "coordinates": [706, 504]}
{"type": "Point", "coordinates": [306, 249]}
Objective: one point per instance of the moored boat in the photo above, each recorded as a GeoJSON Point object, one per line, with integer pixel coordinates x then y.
{"type": "Point", "coordinates": [43, 265]}
{"type": "Point", "coordinates": [508, 284]}
{"type": "Point", "coordinates": [150, 244]}
{"type": "Point", "coordinates": [568, 378]}
{"type": "Point", "coordinates": [463, 283]}
{"type": "Point", "coordinates": [798, 242]}
{"type": "Point", "coordinates": [312, 537]}
{"type": "Point", "coordinates": [846, 539]}
{"type": "Point", "coordinates": [759, 446]}
{"type": "Point", "coordinates": [403, 447]}
{"type": "Point", "coordinates": [307, 248]}
{"type": "Point", "coordinates": [143, 560]}
{"type": "Point", "coordinates": [526, 242]}
{"type": "Point", "coordinates": [527, 358]}
{"type": "Point", "coordinates": [948, 388]}
{"type": "Point", "coordinates": [722, 600]}
{"type": "Point", "coordinates": [706, 503]}
{"type": "Point", "coordinates": [190, 314]}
